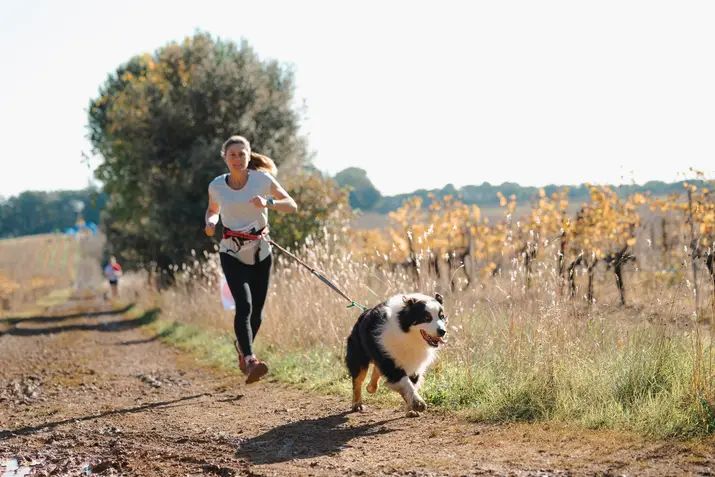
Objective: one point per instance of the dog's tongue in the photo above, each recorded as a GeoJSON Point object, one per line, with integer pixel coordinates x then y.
{"type": "Point", "coordinates": [435, 339]}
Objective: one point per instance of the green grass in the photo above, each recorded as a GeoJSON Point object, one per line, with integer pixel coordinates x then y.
{"type": "Point", "coordinates": [645, 386]}
{"type": "Point", "coordinates": [55, 297]}
{"type": "Point", "coordinates": [319, 369]}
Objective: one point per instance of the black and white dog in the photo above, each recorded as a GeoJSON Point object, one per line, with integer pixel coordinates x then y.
{"type": "Point", "coordinates": [400, 338]}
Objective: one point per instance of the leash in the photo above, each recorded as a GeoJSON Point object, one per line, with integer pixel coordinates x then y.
{"type": "Point", "coordinates": [244, 236]}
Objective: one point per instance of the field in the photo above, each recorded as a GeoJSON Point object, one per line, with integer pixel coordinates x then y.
{"type": "Point", "coordinates": [563, 373]}
{"type": "Point", "coordinates": [30, 267]}
{"type": "Point", "coordinates": [513, 354]}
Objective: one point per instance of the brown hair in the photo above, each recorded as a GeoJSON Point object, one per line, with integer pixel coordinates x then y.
{"type": "Point", "coordinates": [258, 162]}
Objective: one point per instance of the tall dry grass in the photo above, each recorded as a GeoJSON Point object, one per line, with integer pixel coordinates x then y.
{"type": "Point", "coordinates": [32, 266]}
{"type": "Point", "coordinates": [513, 353]}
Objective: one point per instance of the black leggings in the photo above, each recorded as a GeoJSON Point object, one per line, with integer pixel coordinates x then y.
{"type": "Point", "coordinates": [249, 287]}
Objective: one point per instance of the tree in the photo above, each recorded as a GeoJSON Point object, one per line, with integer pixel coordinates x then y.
{"type": "Point", "coordinates": [363, 195]}
{"type": "Point", "coordinates": [159, 122]}
{"type": "Point", "coordinates": [320, 204]}
{"type": "Point", "coordinates": [36, 212]}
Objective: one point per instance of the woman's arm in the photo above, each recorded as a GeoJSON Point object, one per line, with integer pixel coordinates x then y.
{"type": "Point", "coordinates": [282, 202]}
{"type": "Point", "coordinates": [211, 217]}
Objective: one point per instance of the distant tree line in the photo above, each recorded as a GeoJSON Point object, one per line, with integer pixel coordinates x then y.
{"type": "Point", "coordinates": [36, 212]}
{"type": "Point", "coordinates": [42, 212]}
{"type": "Point", "coordinates": [364, 196]}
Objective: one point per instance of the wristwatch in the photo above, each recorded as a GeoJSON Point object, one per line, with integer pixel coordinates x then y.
{"type": "Point", "coordinates": [270, 201]}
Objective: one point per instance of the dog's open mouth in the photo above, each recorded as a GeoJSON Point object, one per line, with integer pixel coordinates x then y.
{"type": "Point", "coordinates": [433, 341]}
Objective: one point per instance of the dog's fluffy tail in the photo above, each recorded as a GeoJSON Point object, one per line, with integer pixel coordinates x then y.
{"type": "Point", "coordinates": [356, 359]}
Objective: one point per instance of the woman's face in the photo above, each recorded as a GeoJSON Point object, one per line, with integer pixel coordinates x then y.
{"type": "Point", "coordinates": [237, 156]}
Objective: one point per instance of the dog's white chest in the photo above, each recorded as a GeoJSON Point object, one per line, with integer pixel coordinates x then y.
{"type": "Point", "coordinates": [408, 350]}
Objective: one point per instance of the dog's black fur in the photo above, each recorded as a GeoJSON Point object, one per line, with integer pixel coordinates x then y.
{"type": "Point", "coordinates": [406, 354]}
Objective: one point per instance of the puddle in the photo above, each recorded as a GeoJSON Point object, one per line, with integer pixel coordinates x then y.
{"type": "Point", "coordinates": [11, 468]}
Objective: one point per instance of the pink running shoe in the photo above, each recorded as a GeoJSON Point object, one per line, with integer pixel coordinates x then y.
{"type": "Point", "coordinates": [256, 369]}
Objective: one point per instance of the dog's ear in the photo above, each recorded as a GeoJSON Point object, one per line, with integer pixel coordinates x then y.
{"type": "Point", "coordinates": [408, 301]}
{"type": "Point", "coordinates": [438, 297]}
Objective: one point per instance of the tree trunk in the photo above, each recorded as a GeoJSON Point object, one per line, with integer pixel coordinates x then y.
{"type": "Point", "coordinates": [617, 260]}
{"type": "Point", "coordinates": [572, 273]}
{"type": "Point", "coordinates": [710, 263]}
{"type": "Point", "coordinates": [528, 252]}
{"type": "Point", "coordinates": [589, 295]}
{"type": "Point", "coordinates": [618, 270]}
{"type": "Point", "coordinates": [414, 264]}
{"type": "Point", "coordinates": [561, 262]}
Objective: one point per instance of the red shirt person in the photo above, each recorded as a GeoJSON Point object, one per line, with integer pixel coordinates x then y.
{"type": "Point", "coordinates": [113, 271]}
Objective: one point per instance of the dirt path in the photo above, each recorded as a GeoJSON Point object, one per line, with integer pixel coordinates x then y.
{"type": "Point", "coordinates": [94, 394]}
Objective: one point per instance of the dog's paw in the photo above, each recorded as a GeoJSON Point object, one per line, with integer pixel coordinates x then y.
{"type": "Point", "coordinates": [418, 405]}
{"type": "Point", "coordinates": [358, 407]}
{"type": "Point", "coordinates": [412, 413]}
{"type": "Point", "coordinates": [371, 389]}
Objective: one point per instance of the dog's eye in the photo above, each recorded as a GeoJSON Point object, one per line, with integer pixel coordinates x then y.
{"type": "Point", "coordinates": [428, 317]}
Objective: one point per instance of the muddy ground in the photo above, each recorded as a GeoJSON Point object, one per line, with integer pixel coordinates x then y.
{"type": "Point", "coordinates": [92, 393]}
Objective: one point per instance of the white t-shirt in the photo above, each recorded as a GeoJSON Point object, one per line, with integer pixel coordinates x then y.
{"type": "Point", "coordinates": [238, 214]}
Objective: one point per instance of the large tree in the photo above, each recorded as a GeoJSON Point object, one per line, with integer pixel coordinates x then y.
{"type": "Point", "coordinates": [159, 122]}
{"type": "Point", "coordinates": [363, 195]}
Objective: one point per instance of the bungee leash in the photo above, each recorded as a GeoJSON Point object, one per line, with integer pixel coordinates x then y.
{"type": "Point", "coordinates": [244, 236]}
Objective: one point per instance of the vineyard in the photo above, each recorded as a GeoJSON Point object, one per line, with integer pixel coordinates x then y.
{"type": "Point", "coordinates": [556, 247]}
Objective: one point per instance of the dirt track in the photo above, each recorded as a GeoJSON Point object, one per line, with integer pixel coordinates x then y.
{"type": "Point", "coordinates": [94, 394]}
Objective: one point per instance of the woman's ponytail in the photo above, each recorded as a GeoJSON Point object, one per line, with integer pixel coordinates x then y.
{"type": "Point", "coordinates": [262, 163]}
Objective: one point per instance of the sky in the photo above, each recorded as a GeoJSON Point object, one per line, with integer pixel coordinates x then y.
{"type": "Point", "coordinates": [419, 94]}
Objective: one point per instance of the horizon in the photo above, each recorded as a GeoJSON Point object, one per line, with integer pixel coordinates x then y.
{"type": "Point", "coordinates": [510, 92]}
{"type": "Point", "coordinates": [614, 185]}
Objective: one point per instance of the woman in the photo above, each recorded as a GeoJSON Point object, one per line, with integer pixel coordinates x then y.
{"type": "Point", "coordinates": [242, 198]}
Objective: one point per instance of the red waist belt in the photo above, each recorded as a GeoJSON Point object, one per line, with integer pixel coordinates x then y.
{"type": "Point", "coordinates": [244, 236]}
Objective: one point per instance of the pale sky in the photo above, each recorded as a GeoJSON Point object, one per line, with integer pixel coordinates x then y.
{"type": "Point", "coordinates": [419, 94]}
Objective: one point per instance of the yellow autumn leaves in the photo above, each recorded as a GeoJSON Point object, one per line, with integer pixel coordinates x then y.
{"type": "Point", "coordinates": [605, 224]}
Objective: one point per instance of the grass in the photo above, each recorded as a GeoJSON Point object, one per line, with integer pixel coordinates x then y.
{"type": "Point", "coordinates": [33, 266]}
{"type": "Point", "coordinates": [513, 354]}
{"type": "Point", "coordinates": [317, 369]}
{"type": "Point", "coordinates": [643, 387]}
{"type": "Point", "coordinates": [55, 297]}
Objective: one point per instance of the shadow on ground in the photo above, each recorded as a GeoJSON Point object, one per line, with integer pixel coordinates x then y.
{"type": "Point", "coordinates": [13, 320]}
{"type": "Point", "coordinates": [111, 326]}
{"type": "Point", "coordinates": [51, 425]}
{"type": "Point", "coordinates": [167, 332]}
{"type": "Point", "coordinates": [305, 439]}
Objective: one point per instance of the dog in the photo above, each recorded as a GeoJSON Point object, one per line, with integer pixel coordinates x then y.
{"type": "Point", "coordinates": [400, 338]}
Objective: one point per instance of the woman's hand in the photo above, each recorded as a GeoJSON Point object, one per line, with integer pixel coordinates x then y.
{"type": "Point", "coordinates": [259, 202]}
{"type": "Point", "coordinates": [210, 229]}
